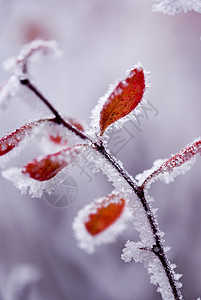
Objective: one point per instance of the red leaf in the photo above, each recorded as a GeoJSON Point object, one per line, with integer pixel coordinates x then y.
{"type": "Point", "coordinates": [47, 167]}
{"type": "Point", "coordinates": [125, 97]}
{"type": "Point", "coordinates": [106, 214]}
{"type": "Point", "coordinates": [12, 140]}
{"type": "Point", "coordinates": [178, 159]}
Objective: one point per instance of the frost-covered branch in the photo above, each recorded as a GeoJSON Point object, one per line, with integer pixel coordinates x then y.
{"type": "Point", "coordinates": [157, 248]}
{"type": "Point", "coordinates": [101, 221]}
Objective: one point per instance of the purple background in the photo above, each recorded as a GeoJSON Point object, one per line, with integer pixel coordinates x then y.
{"type": "Point", "coordinates": [100, 41]}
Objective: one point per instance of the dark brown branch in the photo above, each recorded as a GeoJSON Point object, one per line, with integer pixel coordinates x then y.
{"type": "Point", "coordinates": [139, 191]}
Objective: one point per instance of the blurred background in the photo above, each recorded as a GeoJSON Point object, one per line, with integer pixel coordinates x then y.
{"type": "Point", "coordinates": [100, 40]}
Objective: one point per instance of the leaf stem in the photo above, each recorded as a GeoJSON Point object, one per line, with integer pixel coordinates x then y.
{"type": "Point", "coordinates": [157, 249]}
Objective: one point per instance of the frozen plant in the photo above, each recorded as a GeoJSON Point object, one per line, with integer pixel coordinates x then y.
{"type": "Point", "coordinates": [101, 221]}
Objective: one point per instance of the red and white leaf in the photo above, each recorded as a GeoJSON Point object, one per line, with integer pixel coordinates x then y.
{"type": "Point", "coordinates": [47, 167]}
{"type": "Point", "coordinates": [106, 214]}
{"type": "Point", "coordinates": [101, 221]}
{"type": "Point", "coordinates": [120, 100]}
{"type": "Point", "coordinates": [124, 98]}
{"type": "Point", "coordinates": [26, 181]}
{"type": "Point", "coordinates": [167, 169]}
{"type": "Point", "coordinates": [13, 139]}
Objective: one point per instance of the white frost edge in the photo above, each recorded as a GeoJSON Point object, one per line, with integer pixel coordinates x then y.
{"type": "Point", "coordinates": [88, 242]}
{"type": "Point", "coordinates": [27, 184]}
{"type": "Point", "coordinates": [36, 188]}
{"type": "Point", "coordinates": [94, 131]}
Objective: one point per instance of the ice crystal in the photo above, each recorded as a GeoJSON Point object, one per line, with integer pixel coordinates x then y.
{"type": "Point", "coordinates": [176, 6]}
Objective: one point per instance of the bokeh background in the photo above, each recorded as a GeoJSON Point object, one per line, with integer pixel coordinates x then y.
{"type": "Point", "coordinates": [100, 40]}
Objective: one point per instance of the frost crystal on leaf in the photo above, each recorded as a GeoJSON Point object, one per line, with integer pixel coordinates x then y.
{"type": "Point", "coordinates": [12, 143]}
{"type": "Point", "coordinates": [176, 6]}
{"type": "Point", "coordinates": [45, 173]}
{"type": "Point", "coordinates": [167, 170]}
{"type": "Point", "coordinates": [119, 103]}
{"type": "Point", "coordinates": [47, 167]}
{"type": "Point", "coordinates": [12, 140]}
{"type": "Point", "coordinates": [101, 221]}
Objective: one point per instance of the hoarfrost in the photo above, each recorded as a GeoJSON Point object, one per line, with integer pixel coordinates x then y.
{"type": "Point", "coordinates": [173, 266]}
{"type": "Point", "coordinates": [95, 116]}
{"type": "Point", "coordinates": [140, 221]}
{"type": "Point", "coordinates": [21, 282]}
{"type": "Point", "coordinates": [139, 218]}
{"type": "Point", "coordinates": [177, 276]}
{"type": "Point", "coordinates": [139, 252]}
{"type": "Point", "coordinates": [167, 169]}
{"type": "Point", "coordinates": [32, 52]}
{"type": "Point", "coordinates": [166, 249]}
{"type": "Point", "coordinates": [20, 138]}
{"type": "Point", "coordinates": [176, 6]}
{"type": "Point", "coordinates": [34, 187]}
{"type": "Point", "coordinates": [88, 242]}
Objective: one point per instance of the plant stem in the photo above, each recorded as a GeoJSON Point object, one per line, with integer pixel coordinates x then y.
{"type": "Point", "coordinates": [157, 249]}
